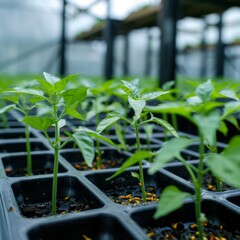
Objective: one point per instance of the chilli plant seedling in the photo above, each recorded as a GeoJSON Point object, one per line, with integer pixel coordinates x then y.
{"type": "Point", "coordinates": [137, 101]}
{"type": "Point", "coordinates": [208, 120]}
{"type": "Point", "coordinates": [23, 100]}
{"type": "Point", "coordinates": [58, 102]}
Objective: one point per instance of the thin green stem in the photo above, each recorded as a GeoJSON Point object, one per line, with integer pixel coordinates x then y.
{"type": "Point", "coordinates": [28, 149]}
{"type": "Point", "coordinates": [198, 185]}
{"type": "Point", "coordinates": [165, 131]}
{"type": "Point", "coordinates": [174, 121]}
{"type": "Point", "coordinates": [218, 180]}
{"type": "Point", "coordinates": [55, 168]}
{"type": "Point", "coordinates": [140, 166]}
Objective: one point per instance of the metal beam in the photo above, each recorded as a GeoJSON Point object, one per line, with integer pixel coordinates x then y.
{"type": "Point", "coordinates": [126, 55]}
{"type": "Point", "coordinates": [62, 64]}
{"type": "Point", "coordinates": [220, 50]}
{"type": "Point", "coordinates": [168, 40]}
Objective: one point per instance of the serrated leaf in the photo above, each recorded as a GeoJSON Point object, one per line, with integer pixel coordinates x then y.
{"type": "Point", "coordinates": [7, 108]}
{"type": "Point", "coordinates": [166, 125]}
{"type": "Point", "coordinates": [39, 123]}
{"type": "Point", "coordinates": [74, 95]}
{"type": "Point", "coordinates": [168, 152]}
{"type": "Point", "coordinates": [204, 91]}
{"type": "Point", "coordinates": [137, 106]}
{"type": "Point", "coordinates": [135, 158]}
{"type": "Point", "coordinates": [86, 145]}
{"type": "Point", "coordinates": [106, 123]}
{"type": "Point", "coordinates": [171, 199]}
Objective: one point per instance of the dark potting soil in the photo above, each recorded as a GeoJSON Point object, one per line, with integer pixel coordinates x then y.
{"type": "Point", "coordinates": [105, 164]}
{"type": "Point", "coordinates": [189, 231]}
{"type": "Point", "coordinates": [210, 184]}
{"type": "Point", "coordinates": [126, 191]}
{"type": "Point", "coordinates": [21, 172]}
{"type": "Point", "coordinates": [64, 205]}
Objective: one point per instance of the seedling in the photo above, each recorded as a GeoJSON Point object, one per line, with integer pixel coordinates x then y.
{"type": "Point", "coordinates": [23, 100]}
{"type": "Point", "coordinates": [137, 101]}
{"type": "Point", "coordinates": [58, 101]}
{"type": "Point", "coordinates": [208, 120]}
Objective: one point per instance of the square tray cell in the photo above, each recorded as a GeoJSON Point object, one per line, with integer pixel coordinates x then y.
{"type": "Point", "coordinates": [42, 163]}
{"type": "Point", "coordinates": [111, 158]}
{"type": "Point", "coordinates": [219, 217]}
{"type": "Point", "coordinates": [98, 226]}
{"type": "Point", "coordinates": [20, 146]}
{"type": "Point", "coordinates": [34, 196]}
{"type": "Point", "coordinates": [14, 134]}
{"type": "Point", "coordinates": [235, 199]}
{"type": "Point", "coordinates": [126, 190]}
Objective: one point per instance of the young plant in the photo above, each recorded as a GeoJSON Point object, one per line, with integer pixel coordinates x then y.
{"type": "Point", "coordinates": [23, 100]}
{"type": "Point", "coordinates": [137, 101]}
{"type": "Point", "coordinates": [203, 113]}
{"type": "Point", "coordinates": [59, 101]}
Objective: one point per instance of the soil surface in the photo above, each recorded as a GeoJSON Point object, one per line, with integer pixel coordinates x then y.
{"type": "Point", "coordinates": [22, 172]}
{"type": "Point", "coordinates": [127, 191]}
{"type": "Point", "coordinates": [64, 205]}
{"type": "Point", "coordinates": [188, 231]}
{"type": "Point", "coordinates": [105, 164]}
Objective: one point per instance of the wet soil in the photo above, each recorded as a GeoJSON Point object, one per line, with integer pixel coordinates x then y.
{"type": "Point", "coordinates": [22, 172]}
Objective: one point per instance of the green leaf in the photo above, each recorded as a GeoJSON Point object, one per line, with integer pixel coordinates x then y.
{"type": "Point", "coordinates": [50, 78]}
{"type": "Point", "coordinates": [208, 125]}
{"type": "Point", "coordinates": [180, 108]}
{"type": "Point", "coordinates": [148, 128]}
{"type": "Point", "coordinates": [171, 199]}
{"type": "Point", "coordinates": [230, 108]}
{"type": "Point", "coordinates": [106, 123]}
{"type": "Point", "coordinates": [226, 166]}
{"type": "Point", "coordinates": [233, 121]}
{"type": "Point", "coordinates": [86, 146]}
{"type": "Point", "coordinates": [168, 152]}
{"type": "Point", "coordinates": [74, 95]}
{"type": "Point", "coordinates": [120, 135]}
{"type": "Point", "coordinates": [135, 158]}
{"type": "Point", "coordinates": [195, 100]}
{"type": "Point", "coordinates": [61, 123]}
{"type": "Point", "coordinates": [135, 175]}
{"type": "Point", "coordinates": [7, 108]}
{"type": "Point", "coordinates": [166, 125]}
{"type": "Point", "coordinates": [131, 89]}
{"type": "Point", "coordinates": [62, 83]}
{"type": "Point", "coordinates": [96, 135]}
{"type": "Point", "coordinates": [229, 93]}
{"type": "Point", "coordinates": [223, 128]}
{"type": "Point", "coordinates": [47, 87]}
{"type": "Point", "coordinates": [152, 95]}
{"type": "Point", "coordinates": [168, 85]}
{"type": "Point", "coordinates": [71, 111]}
{"type": "Point", "coordinates": [39, 123]}
{"type": "Point", "coordinates": [137, 106]}
{"type": "Point", "coordinates": [204, 91]}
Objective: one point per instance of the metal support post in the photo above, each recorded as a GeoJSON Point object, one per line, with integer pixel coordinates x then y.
{"type": "Point", "coordinates": [220, 50]}
{"type": "Point", "coordinates": [148, 53]}
{"type": "Point", "coordinates": [168, 40]}
{"type": "Point", "coordinates": [62, 65]}
{"type": "Point", "coordinates": [126, 55]}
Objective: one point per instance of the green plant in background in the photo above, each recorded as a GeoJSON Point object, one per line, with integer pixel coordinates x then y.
{"type": "Point", "coordinates": [23, 99]}
{"type": "Point", "coordinates": [100, 104]}
{"type": "Point", "coordinates": [208, 119]}
{"type": "Point", "coordinates": [59, 101]}
{"type": "Point", "coordinates": [137, 101]}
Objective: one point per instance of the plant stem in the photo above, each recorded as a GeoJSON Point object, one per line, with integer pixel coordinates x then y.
{"type": "Point", "coordinates": [165, 131]}
{"type": "Point", "coordinates": [174, 121]}
{"type": "Point", "coordinates": [218, 180]}
{"type": "Point", "coordinates": [55, 167]}
{"type": "Point", "coordinates": [198, 185]}
{"type": "Point", "coordinates": [140, 166]}
{"type": "Point", "coordinates": [97, 141]}
{"type": "Point", "coordinates": [28, 149]}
